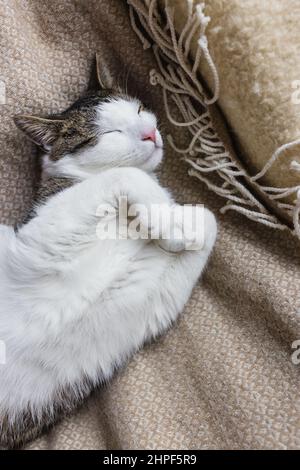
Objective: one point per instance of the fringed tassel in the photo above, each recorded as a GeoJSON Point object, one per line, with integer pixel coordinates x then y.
{"type": "Point", "coordinates": [295, 210]}
{"type": "Point", "coordinates": [177, 75]}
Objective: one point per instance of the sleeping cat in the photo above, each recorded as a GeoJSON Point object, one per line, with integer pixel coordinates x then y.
{"type": "Point", "coordinates": [74, 306]}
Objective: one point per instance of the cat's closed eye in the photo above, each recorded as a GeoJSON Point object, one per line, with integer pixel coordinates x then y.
{"type": "Point", "coordinates": [111, 132]}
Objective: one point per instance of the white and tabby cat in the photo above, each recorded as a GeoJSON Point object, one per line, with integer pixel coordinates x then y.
{"type": "Point", "coordinates": [74, 307]}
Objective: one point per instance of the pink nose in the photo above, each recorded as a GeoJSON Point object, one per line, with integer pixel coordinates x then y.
{"type": "Point", "coordinates": [150, 136]}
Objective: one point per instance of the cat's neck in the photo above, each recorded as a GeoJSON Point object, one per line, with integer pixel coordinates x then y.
{"type": "Point", "coordinates": [69, 169]}
{"type": "Point", "coordinates": [66, 168]}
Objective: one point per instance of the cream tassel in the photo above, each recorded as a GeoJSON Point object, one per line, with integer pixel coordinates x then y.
{"type": "Point", "coordinates": [177, 75]}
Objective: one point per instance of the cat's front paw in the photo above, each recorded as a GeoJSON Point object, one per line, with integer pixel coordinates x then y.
{"type": "Point", "coordinates": [178, 228]}
{"type": "Point", "coordinates": [191, 228]}
{"type": "Point", "coordinates": [172, 245]}
{"type": "Point", "coordinates": [154, 222]}
{"type": "Point", "coordinates": [184, 229]}
{"type": "Point", "coordinates": [200, 228]}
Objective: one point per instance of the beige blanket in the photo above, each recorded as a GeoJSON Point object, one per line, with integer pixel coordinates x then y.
{"type": "Point", "coordinates": [223, 376]}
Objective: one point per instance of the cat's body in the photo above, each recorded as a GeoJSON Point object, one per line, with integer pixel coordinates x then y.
{"type": "Point", "coordinates": [73, 306]}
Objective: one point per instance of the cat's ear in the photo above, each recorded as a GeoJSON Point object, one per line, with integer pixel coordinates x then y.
{"type": "Point", "coordinates": [104, 77]}
{"type": "Point", "coordinates": [42, 131]}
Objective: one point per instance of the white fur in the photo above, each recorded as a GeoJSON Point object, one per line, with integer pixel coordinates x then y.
{"type": "Point", "coordinates": [73, 306]}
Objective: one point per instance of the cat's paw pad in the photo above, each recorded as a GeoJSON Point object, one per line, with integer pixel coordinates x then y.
{"type": "Point", "coordinates": [172, 245]}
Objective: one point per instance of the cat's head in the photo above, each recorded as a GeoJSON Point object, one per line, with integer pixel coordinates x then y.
{"type": "Point", "coordinates": [104, 129]}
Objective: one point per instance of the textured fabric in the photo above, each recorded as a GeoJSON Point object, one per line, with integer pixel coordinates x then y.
{"type": "Point", "coordinates": [255, 45]}
{"type": "Point", "coordinates": [223, 376]}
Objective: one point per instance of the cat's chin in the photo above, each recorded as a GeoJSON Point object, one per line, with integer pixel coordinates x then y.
{"type": "Point", "coordinates": [154, 160]}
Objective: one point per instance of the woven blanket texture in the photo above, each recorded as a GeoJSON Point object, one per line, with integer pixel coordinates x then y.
{"type": "Point", "coordinates": [223, 376]}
